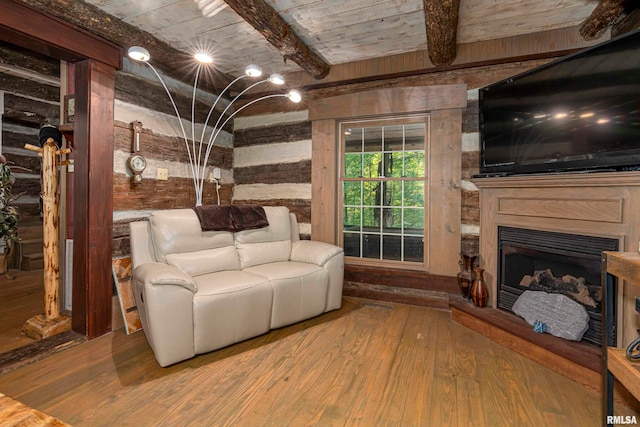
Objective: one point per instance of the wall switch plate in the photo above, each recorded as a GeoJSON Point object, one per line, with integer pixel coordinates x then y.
{"type": "Point", "coordinates": [216, 173]}
{"type": "Point", "coordinates": [162, 174]}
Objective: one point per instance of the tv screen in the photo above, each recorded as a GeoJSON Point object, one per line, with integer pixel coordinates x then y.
{"type": "Point", "coordinates": [578, 113]}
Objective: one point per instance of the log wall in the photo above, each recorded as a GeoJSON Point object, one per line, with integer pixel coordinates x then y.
{"type": "Point", "coordinates": [140, 98]}
{"type": "Point", "coordinates": [29, 98]}
{"type": "Point", "coordinates": [272, 163]}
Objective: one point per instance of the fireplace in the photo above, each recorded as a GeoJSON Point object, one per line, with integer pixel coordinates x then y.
{"type": "Point", "coordinates": [568, 264]}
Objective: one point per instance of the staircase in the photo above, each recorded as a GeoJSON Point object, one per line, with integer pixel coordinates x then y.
{"type": "Point", "coordinates": [28, 253]}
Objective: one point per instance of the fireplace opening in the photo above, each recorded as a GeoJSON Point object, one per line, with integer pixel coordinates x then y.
{"type": "Point", "coordinates": [553, 262]}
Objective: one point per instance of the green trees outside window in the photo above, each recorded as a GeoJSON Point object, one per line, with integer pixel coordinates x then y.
{"type": "Point", "coordinates": [383, 178]}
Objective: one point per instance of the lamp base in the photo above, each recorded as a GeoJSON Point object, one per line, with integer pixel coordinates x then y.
{"type": "Point", "coordinates": [39, 327]}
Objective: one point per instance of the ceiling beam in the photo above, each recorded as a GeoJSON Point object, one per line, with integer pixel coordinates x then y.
{"type": "Point", "coordinates": [441, 20]}
{"type": "Point", "coordinates": [606, 13]}
{"type": "Point", "coordinates": [172, 62]}
{"type": "Point", "coordinates": [270, 24]}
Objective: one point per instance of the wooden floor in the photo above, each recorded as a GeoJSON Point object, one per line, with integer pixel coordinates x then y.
{"type": "Point", "coordinates": [367, 364]}
{"type": "Point", "coordinates": [20, 299]}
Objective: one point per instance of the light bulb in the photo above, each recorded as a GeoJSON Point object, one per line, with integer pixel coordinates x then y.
{"type": "Point", "coordinates": [253, 70]}
{"type": "Point", "coordinates": [203, 57]}
{"type": "Point", "coordinates": [294, 96]}
{"type": "Point", "coordinates": [138, 53]}
{"type": "Point", "coordinates": [276, 79]}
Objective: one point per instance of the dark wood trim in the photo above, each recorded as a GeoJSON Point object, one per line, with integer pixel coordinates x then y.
{"type": "Point", "coordinates": [92, 201]}
{"type": "Point", "coordinates": [45, 34]}
{"type": "Point", "coordinates": [93, 212]}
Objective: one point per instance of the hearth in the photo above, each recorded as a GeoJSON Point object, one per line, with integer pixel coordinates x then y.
{"type": "Point", "coordinates": [563, 263]}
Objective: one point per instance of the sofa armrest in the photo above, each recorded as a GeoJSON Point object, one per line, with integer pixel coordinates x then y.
{"type": "Point", "coordinates": [164, 297]}
{"type": "Point", "coordinates": [156, 273]}
{"type": "Point", "coordinates": [313, 252]}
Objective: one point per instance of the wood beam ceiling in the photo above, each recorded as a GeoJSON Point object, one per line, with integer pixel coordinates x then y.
{"type": "Point", "coordinates": [606, 14]}
{"type": "Point", "coordinates": [171, 61]}
{"type": "Point", "coordinates": [441, 20]}
{"type": "Point", "coordinates": [270, 24]}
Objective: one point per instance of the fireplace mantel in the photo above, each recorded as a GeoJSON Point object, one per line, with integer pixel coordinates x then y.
{"type": "Point", "coordinates": [605, 204]}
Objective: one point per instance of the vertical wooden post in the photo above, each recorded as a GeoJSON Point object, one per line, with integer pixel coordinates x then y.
{"type": "Point", "coordinates": [51, 323]}
{"type": "Point", "coordinates": [50, 230]}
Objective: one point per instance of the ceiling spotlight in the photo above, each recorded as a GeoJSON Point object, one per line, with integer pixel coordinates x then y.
{"type": "Point", "coordinates": [560, 116]}
{"type": "Point", "coordinates": [253, 70]}
{"type": "Point", "coordinates": [203, 57]}
{"type": "Point", "coordinates": [138, 53]}
{"type": "Point", "coordinates": [586, 115]}
{"type": "Point", "coordinates": [294, 96]}
{"type": "Point", "coordinates": [602, 121]}
{"type": "Point", "coordinates": [276, 79]}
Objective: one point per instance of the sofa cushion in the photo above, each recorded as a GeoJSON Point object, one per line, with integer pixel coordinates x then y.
{"type": "Point", "coordinates": [230, 306]}
{"type": "Point", "coordinates": [178, 232]}
{"type": "Point", "coordinates": [206, 261]}
{"type": "Point", "coordinates": [269, 244]}
{"type": "Point", "coordinates": [299, 290]}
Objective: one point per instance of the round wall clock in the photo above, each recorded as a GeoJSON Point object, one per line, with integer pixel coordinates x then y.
{"type": "Point", "coordinates": [136, 163]}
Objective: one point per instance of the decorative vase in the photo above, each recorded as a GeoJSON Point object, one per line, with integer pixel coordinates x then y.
{"type": "Point", "coordinates": [465, 275]}
{"type": "Point", "coordinates": [479, 292]}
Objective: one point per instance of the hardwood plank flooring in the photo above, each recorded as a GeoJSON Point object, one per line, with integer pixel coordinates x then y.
{"type": "Point", "coordinates": [363, 365]}
{"type": "Point", "coordinates": [20, 299]}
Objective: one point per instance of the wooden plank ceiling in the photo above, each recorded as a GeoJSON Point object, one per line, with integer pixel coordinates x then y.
{"type": "Point", "coordinates": [338, 31]}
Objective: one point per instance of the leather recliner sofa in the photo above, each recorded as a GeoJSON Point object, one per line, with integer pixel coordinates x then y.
{"type": "Point", "coordinates": [197, 291]}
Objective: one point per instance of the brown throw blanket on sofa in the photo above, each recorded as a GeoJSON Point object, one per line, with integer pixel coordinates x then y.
{"type": "Point", "coordinates": [231, 218]}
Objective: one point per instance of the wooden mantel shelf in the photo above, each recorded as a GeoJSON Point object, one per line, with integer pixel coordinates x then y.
{"type": "Point", "coordinates": [575, 179]}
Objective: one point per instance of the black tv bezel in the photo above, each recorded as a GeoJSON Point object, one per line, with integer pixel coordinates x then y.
{"type": "Point", "coordinates": [622, 161]}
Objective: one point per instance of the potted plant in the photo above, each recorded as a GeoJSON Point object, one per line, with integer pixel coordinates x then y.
{"type": "Point", "coordinates": [8, 214]}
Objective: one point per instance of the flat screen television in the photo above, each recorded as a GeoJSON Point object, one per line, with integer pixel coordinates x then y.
{"type": "Point", "coordinates": [577, 113]}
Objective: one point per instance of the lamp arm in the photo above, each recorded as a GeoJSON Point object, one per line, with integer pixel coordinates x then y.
{"type": "Point", "coordinates": [193, 118]}
{"type": "Point", "coordinates": [184, 134]}
{"type": "Point", "coordinates": [213, 106]}
{"type": "Point", "coordinates": [216, 129]}
{"type": "Point", "coordinates": [215, 136]}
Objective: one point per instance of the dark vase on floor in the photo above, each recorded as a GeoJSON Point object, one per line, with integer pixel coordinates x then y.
{"type": "Point", "coordinates": [465, 275]}
{"type": "Point", "coordinates": [479, 292]}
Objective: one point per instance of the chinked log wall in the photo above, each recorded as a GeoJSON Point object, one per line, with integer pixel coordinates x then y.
{"type": "Point", "coordinates": [273, 164]}
{"type": "Point", "coordinates": [138, 99]}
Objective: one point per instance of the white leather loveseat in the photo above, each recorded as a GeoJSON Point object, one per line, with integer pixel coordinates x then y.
{"type": "Point", "coordinates": [197, 291]}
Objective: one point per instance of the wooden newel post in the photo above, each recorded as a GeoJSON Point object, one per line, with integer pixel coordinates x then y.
{"type": "Point", "coordinates": [51, 322]}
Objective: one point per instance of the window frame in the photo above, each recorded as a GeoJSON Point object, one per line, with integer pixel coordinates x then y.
{"type": "Point", "coordinates": [394, 120]}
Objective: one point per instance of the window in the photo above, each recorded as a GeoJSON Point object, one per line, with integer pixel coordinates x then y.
{"type": "Point", "coordinates": [383, 189]}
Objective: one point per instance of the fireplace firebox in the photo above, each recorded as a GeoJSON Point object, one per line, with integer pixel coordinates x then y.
{"type": "Point", "coordinates": [554, 262]}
